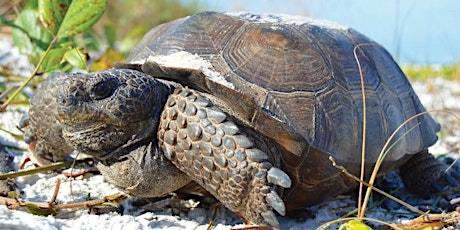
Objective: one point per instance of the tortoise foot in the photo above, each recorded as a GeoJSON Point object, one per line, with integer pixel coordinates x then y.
{"type": "Point", "coordinates": [424, 175]}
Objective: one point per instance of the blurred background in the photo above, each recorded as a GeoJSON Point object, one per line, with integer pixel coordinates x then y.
{"type": "Point", "coordinates": [419, 34]}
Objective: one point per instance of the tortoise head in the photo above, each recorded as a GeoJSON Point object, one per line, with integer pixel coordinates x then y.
{"type": "Point", "coordinates": [108, 113]}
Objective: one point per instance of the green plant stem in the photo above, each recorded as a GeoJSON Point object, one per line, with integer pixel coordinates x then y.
{"type": "Point", "coordinates": [32, 75]}
{"type": "Point", "coordinates": [47, 168]}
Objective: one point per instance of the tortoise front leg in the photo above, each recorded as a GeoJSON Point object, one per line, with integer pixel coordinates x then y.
{"type": "Point", "coordinates": [202, 141]}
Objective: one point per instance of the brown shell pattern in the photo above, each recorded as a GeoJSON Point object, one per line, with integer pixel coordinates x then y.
{"type": "Point", "coordinates": [305, 75]}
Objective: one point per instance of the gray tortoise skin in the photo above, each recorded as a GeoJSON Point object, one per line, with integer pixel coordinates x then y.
{"type": "Point", "coordinates": [260, 140]}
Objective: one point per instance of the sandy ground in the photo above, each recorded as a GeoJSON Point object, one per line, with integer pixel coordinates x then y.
{"type": "Point", "coordinates": [175, 213]}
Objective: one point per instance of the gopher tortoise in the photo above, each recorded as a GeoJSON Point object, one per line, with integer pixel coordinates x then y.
{"type": "Point", "coordinates": [248, 107]}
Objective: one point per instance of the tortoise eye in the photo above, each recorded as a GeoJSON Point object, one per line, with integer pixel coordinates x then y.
{"type": "Point", "coordinates": [102, 90]}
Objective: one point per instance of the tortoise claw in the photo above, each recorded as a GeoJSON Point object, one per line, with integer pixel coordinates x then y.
{"type": "Point", "coordinates": [256, 155]}
{"type": "Point", "coordinates": [278, 177]}
{"type": "Point", "coordinates": [270, 218]}
{"type": "Point", "coordinates": [275, 201]}
{"type": "Point", "coordinates": [24, 122]}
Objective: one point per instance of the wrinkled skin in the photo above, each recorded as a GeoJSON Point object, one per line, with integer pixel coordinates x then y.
{"type": "Point", "coordinates": [95, 111]}
{"type": "Point", "coordinates": [106, 116]}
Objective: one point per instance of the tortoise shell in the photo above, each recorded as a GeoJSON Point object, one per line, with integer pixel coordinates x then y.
{"type": "Point", "coordinates": [297, 81]}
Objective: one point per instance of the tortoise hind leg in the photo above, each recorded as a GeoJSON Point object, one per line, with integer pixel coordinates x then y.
{"type": "Point", "coordinates": [424, 175]}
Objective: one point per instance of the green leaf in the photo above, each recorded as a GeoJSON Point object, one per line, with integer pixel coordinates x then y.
{"type": "Point", "coordinates": [110, 35]}
{"type": "Point", "coordinates": [81, 15]}
{"type": "Point", "coordinates": [28, 36]}
{"type": "Point", "coordinates": [354, 225]}
{"type": "Point", "coordinates": [53, 59]}
{"type": "Point", "coordinates": [52, 13]}
{"type": "Point", "coordinates": [34, 209]}
{"type": "Point", "coordinates": [76, 57]}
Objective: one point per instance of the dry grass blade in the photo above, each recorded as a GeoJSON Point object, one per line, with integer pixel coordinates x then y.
{"type": "Point", "coordinates": [213, 218]}
{"type": "Point", "coordinates": [408, 206]}
{"type": "Point", "coordinates": [432, 221]}
{"type": "Point", "coordinates": [8, 9]}
{"type": "Point", "coordinates": [363, 148]}
{"type": "Point", "coordinates": [363, 206]}
{"type": "Point", "coordinates": [56, 191]}
{"type": "Point", "coordinates": [386, 147]}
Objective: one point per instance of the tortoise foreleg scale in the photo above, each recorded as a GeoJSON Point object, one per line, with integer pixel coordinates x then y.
{"type": "Point", "coordinates": [204, 142]}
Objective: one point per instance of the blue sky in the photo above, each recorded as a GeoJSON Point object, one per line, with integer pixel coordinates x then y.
{"type": "Point", "coordinates": [414, 31]}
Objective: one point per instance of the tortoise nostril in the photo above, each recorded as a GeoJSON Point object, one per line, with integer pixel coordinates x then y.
{"type": "Point", "coordinates": [62, 99]}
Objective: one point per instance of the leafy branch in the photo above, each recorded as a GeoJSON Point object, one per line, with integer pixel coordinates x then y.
{"type": "Point", "coordinates": [58, 21]}
{"type": "Point", "coordinates": [52, 207]}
